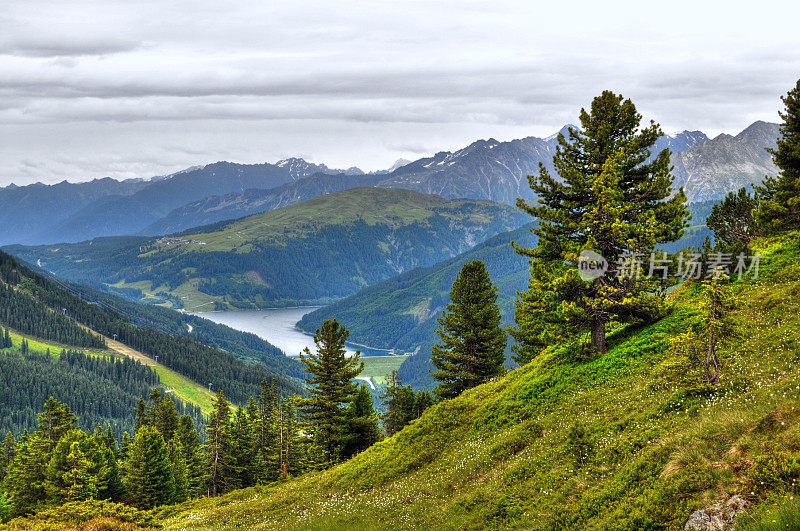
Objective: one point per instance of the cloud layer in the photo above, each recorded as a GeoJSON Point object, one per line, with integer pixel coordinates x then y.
{"type": "Point", "coordinates": [89, 89]}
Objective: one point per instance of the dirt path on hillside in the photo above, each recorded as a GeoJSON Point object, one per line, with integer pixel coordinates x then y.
{"type": "Point", "coordinates": [128, 352]}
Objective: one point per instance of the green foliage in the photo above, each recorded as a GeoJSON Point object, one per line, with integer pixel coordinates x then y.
{"type": "Point", "coordinates": [780, 208]}
{"type": "Point", "coordinates": [188, 447]}
{"type": "Point", "coordinates": [21, 311]}
{"type": "Point", "coordinates": [361, 425]}
{"type": "Point", "coordinates": [611, 197]}
{"type": "Point", "coordinates": [716, 322]}
{"type": "Point", "coordinates": [402, 404]}
{"type": "Point", "coordinates": [472, 344]}
{"type": "Point", "coordinates": [580, 443]}
{"type": "Point", "coordinates": [331, 385]}
{"type": "Point", "coordinates": [220, 461]}
{"type": "Point", "coordinates": [75, 471]}
{"type": "Point", "coordinates": [149, 477]}
{"type": "Point", "coordinates": [499, 455]}
{"type": "Point", "coordinates": [184, 355]}
{"type": "Point", "coordinates": [733, 222]}
{"type": "Point", "coordinates": [89, 514]}
{"type": "Point", "coordinates": [100, 390]}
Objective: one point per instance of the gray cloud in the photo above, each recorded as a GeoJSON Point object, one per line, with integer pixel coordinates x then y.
{"type": "Point", "coordinates": [52, 46]}
{"type": "Point", "coordinates": [145, 88]}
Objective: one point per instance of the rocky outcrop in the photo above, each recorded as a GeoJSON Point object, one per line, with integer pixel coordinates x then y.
{"type": "Point", "coordinates": [718, 517]}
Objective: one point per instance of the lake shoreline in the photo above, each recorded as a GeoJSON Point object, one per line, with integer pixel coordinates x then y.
{"type": "Point", "coordinates": [279, 327]}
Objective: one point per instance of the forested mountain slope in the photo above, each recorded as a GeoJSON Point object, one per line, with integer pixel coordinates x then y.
{"type": "Point", "coordinates": [627, 440]}
{"type": "Point", "coordinates": [38, 306]}
{"type": "Point", "coordinates": [315, 251]}
{"type": "Point", "coordinates": [400, 313]}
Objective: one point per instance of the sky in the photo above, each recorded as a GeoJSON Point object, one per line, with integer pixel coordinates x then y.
{"type": "Point", "coordinates": [135, 89]}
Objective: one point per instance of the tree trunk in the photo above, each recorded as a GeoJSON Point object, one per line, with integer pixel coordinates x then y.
{"type": "Point", "coordinates": [711, 356]}
{"type": "Point", "coordinates": [599, 336]}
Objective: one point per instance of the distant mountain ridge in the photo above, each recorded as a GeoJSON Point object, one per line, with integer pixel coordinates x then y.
{"type": "Point", "coordinates": [501, 169]}
{"type": "Point", "coordinates": [71, 212]}
{"type": "Point", "coordinates": [312, 252]}
{"type": "Point", "coordinates": [486, 169]}
{"type": "Point", "coordinates": [213, 209]}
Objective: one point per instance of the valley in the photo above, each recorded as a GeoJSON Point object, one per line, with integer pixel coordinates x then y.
{"type": "Point", "coordinates": [484, 397]}
{"type": "Point", "coordinates": [313, 252]}
{"type": "Point", "coordinates": [279, 327]}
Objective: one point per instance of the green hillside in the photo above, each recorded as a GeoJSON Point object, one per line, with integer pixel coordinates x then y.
{"type": "Point", "coordinates": [400, 313]}
{"type": "Point", "coordinates": [628, 440]}
{"type": "Point", "coordinates": [315, 251]}
{"type": "Point", "coordinates": [39, 307]}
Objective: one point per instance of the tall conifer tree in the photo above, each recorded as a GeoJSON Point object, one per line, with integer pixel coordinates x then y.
{"type": "Point", "coordinates": [472, 344]}
{"type": "Point", "coordinates": [220, 463]}
{"type": "Point", "coordinates": [362, 429]}
{"type": "Point", "coordinates": [613, 196]}
{"type": "Point", "coordinates": [780, 208]}
{"type": "Point", "coordinates": [149, 479]}
{"type": "Point", "coordinates": [330, 385]}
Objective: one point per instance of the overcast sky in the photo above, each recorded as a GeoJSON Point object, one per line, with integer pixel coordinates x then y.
{"type": "Point", "coordinates": [135, 89]}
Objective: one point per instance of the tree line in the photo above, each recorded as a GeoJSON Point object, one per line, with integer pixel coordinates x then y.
{"type": "Point", "coordinates": [102, 391]}
{"type": "Point", "coordinates": [34, 303]}
{"type": "Point", "coordinates": [165, 460]}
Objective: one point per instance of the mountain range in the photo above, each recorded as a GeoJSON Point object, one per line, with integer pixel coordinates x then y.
{"type": "Point", "coordinates": [709, 170]}
{"type": "Point", "coordinates": [311, 252]}
{"type": "Point", "coordinates": [486, 169]}
{"type": "Point", "coordinates": [68, 212]}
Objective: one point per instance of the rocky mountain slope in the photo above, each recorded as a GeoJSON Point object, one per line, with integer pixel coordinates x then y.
{"type": "Point", "coordinates": [709, 170]}
{"type": "Point", "coordinates": [486, 169]}
{"type": "Point", "coordinates": [29, 213]}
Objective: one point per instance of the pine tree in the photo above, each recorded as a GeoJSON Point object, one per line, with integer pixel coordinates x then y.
{"type": "Point", "coordinates": [472, 344]}
{"type": "Point", "coordinates": [422, 401]}
{"type": "Point", "coordinates": [56, 420]}
{"type": "Point", "coordinates": [398, 402]}
{"type": "Point", "coordinates": [362, 429]}
{"type": "Point", "coordinates": [330, 385]}
{"type": "Point", "coordinates": [25, 482]}
{"type": "Point", "coordinates": [142, 418]}
{"type": "Point", "coordinates": [296, 452]}
{"type": "Point", "coordinates": [717, 325]}
{"type": "Point", "coordinates": [267, 454]}
{"type": "Point", "coordinates": [126, 444]}
{"type": "Point", "coordinates": [165, 418]}
{"type": "Point", "coordinates": [612, 198]}
{"type": "Point", "coordinates": [110, 484]}
{"type": "Point", "coordinates": [75, 468]}
{"type": "Point", "coordinates": [780, 208]}
{"type": "Point", "coordinates": [149, 479]}
{"type": "Point", "coordinates": [243, 446]}
{"type": "Point", "coordinates": [732, 221]}
{"type": "Point", "coordinates": [5, 339]}
{"type": "Point", "coordinates": [7, 449]}
{"type": "Point", "coordinates": [188, 438]}
{"type": "Point", "coordinates": [220, 463]}
{"type": "Point", "coordinates": [180, 472]}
